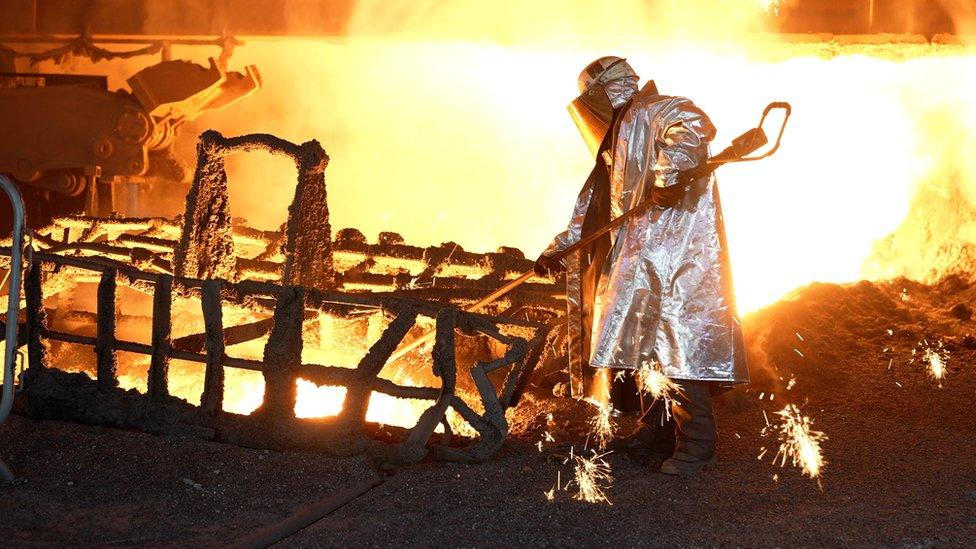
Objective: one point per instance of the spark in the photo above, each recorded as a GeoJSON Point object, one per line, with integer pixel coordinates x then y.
{"type": "Point", "coordinates": [891, 332]}
{"type": "Point", "coordinates": [539, 445]}
{"type": "Point", "coordinates": [653, 382]}
{"type": "Point", "coordinates": [898, 384]}
{"type": "Point", "coordinates": [602, 425]}
{"type": "Point", "coordinates": [592, 478]}
{"type": "Point", "coordinates": [799, 443]}
{"type": "Point", "coordinates": [798, 352]}
{"type": "Point", "coordinates": [791, 383]}
{"type": "Point", "coordinates": [935, 357]}
{"type": "Point", "coordinates": [550, 494]}
{"type": "Point", "coordinates": [799, 336]}
{"type": "Point", "coordinates": [936, 363]}
{"type": "Point", "coordinates": [736, 435]}
{"type": "Point", "coordinates": [549, 437]}
{"type": "Point", "coordinates": [775, 478]}
{"type": "Point", "coordinates": [761, 395]}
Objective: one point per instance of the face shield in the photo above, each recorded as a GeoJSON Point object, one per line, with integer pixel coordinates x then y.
{"type": "Point", "coordinates": [592, 113]}
{"type": "Point", "coordinates": [605, 84]}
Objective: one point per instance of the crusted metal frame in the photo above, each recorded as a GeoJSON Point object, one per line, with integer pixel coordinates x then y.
{"type": "Point", "coordinates": [298, 275]}
{"type": "Point", "coordinates": [280, 367]}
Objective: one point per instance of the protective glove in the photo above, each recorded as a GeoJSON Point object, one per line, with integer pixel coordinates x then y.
{"type": "Point", "coordinates": [668, 196]}
{"type": "Point", "coordinates": [547, 265]}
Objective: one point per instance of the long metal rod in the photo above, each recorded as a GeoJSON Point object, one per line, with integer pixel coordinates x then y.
{"type": "Point", "coordinates": [705, 171]}
{"type": "Point", "coordinates": [13, 308]}
{"type": "Point", "coordinates": [585, 241]}
{"type": "Point", "coordinates": [306, 516]}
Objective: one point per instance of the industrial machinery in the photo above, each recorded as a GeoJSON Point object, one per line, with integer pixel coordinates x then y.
{"type": "Point", "coordinates": [72, 145]}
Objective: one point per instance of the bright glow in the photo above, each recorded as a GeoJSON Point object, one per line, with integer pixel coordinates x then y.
{"type": "Point", "coordinates": [473, 143]}
{"type": "Point", "coordinates": [771, 6]}
{"type": "Point", "coordinates": [446, 121]}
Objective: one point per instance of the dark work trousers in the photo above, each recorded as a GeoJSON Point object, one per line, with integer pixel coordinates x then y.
{"type": "Point", "coordinates": [692, 412]}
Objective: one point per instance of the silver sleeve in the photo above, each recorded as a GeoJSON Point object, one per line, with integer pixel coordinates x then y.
{"type": "Point", "coordinates": [683, 134]}
{"type": "Point", "coordinates": [574, 230]}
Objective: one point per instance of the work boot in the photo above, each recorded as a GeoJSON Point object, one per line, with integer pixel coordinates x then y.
{"type": "Point", "coordinates": [653, 438]}
{"type": "Point", "coordinates": [696, 435]}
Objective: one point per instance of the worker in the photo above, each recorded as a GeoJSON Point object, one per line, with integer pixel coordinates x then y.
{"type": "Point", "coordinates": [657, 292]}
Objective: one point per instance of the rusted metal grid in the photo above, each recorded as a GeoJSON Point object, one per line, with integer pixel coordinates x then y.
{"type": "Point", "coordinates": [446, 273]}
{"type": "Point", "coordinates": [294, 274]}
{"type": "Point", "coordinates": [274, 424]}
{"type": "Point", "coordinates": [206, 243]}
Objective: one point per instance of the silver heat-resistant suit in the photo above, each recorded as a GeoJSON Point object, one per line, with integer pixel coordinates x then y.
{"type": "Point", "coordinates": [665, 292]}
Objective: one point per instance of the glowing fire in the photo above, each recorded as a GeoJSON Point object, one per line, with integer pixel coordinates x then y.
{"type": "Point", "coordinates": [771, 6]}
{"type": "Point", "coordinates": [494, 118]}
{"type": "Point", "coordinates": [244, 389]}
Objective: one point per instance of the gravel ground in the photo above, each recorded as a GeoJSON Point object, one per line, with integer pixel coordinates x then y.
{"type": "Point", "coordinates": [82, 485]}
{"type": "Point", "coordinates": [900, 459]}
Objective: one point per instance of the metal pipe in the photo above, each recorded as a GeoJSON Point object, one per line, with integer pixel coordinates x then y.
{"type": "Point", "coordinates": [305, 517]}
{"type": "Point", "coordinates": [13, 308]}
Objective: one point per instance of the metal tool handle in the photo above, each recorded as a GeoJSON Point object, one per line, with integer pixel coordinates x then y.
{"type": "Point", "coordinates": [787, 111]}
{"type": "Point", "coordinates": [511, 285]}
{"type": "Point", "coordinates": [13, 308]}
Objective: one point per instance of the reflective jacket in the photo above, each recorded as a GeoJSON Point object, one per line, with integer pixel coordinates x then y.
{"type": "Point", "coordinates": [663, 287]}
